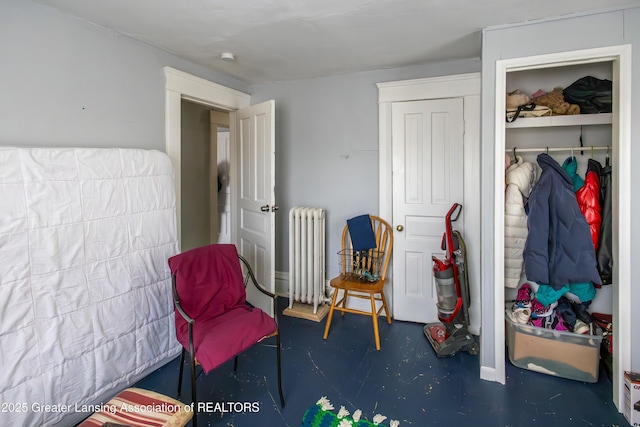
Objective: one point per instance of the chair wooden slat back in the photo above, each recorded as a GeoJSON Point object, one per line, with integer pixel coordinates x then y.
{"type": "Point", "coordinates": [363, 275]}
{"type": "Point", "coordinates": [384, 244]}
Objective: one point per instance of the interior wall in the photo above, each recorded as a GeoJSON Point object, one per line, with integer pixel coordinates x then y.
{"type": "Point", "coordinates": [568, 33]}
{"type": "Point", "coordinates": [196, 172]}
{"type": "Point", "coordinates": [327, 146]}
{"type": "Point", "coordinates": [67, 82]}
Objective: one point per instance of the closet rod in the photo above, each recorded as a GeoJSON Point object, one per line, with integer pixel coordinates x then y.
{"type": "Point", "coordinates": [578, 148]}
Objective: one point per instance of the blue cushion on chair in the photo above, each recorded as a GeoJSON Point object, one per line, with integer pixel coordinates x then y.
{"type": "Point", "coordinates": [361, 231]}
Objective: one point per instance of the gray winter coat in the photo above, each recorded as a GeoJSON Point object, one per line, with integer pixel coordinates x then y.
{"type": "Point", "coordinates": [558, 250]}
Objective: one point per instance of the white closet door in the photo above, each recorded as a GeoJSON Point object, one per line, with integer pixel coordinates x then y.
{"type": "Point", "coordinates": [427, 145]}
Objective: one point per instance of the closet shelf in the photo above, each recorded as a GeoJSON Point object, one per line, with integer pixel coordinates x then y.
{"type": "Point", "coordinates": [575, 120]}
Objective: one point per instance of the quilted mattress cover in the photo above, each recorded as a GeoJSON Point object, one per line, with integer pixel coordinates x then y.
{"type": "Point", "coordinates": [85, 288]}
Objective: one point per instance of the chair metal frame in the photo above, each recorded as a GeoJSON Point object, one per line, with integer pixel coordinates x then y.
{"type": "Point", "coordinates": [373, 291]}
{"type": "Point", "coordinates": [249, 275]}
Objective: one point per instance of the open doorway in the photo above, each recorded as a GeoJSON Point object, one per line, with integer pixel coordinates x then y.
{"type": "Point", "coordinates": [252, 177]}
{"type": "Point", "coordinates": [205, 184]}
{"type": "Point", "coordinates": [180, 87]}
{"type": "Point", "coordinates": [223, 185]}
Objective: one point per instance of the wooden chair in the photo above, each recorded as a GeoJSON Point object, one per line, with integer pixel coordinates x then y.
{"type": "Point", "coordinates": [363, 275]}
{"type": "Point", "coordinates": [214, 323]}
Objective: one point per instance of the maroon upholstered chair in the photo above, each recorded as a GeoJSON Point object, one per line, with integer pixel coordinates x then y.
{"type": "Point", "coordinates": [213, 320]}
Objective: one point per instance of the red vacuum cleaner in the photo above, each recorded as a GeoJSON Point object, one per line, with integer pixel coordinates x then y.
{"type": "Point", "coordinates": [452, 334]}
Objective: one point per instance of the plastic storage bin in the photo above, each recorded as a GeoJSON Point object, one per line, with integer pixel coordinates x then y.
{"type": "Point", "coordinates": [560, 353]}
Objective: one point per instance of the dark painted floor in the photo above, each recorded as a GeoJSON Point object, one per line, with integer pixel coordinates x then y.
{"type": "Point", "coordinates": [404, 381]}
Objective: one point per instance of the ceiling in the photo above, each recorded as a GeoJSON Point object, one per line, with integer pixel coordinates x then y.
{"type": "Point", "coordinates": [280, 40]}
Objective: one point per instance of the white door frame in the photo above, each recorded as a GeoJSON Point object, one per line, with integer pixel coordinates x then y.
{"type": "Point", "coordinates": [621, 155]}
{"type": "Point", "coordinates": [178, 86]}
{"type": "Point", "coordinates": [466, 86]}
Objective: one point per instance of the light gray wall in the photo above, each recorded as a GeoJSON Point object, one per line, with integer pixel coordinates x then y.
{"type": "Point", "coordinates": [327, 146]}
{"type": "Point", "coordinates": [66, 82]}
{"type": "Point", "coordinates": [196, 170]}
{"type": "Point", "coordinates": [576, 32]}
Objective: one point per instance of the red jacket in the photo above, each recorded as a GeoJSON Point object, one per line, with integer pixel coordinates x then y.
{"type": "Point", "coordinates": [589, 200]}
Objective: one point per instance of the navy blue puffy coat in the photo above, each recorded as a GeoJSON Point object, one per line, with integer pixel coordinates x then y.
{"type": "Point", "coordinates": [558, 250]}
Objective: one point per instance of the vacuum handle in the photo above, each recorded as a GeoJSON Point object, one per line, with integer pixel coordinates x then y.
{"type": "Point", "coordinates": [456, 206]}
{"type": "Point", "coordinates": [455, 209]}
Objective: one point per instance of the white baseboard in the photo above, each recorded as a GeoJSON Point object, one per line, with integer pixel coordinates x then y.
{"type": "Point", "coordinates": [282, 290]}
{"type": "Point", "coordinates": [488, 374]}
{"type": "Point", "coordinates": [282, 284]}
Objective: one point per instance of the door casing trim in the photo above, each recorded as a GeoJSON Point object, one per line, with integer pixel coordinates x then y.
{"type": "Point", "coordinates": [620, 56]}
{"type": "Point", "coordinates": [466, 86]}
{"type": "Point", "coordinates": [178, 86]}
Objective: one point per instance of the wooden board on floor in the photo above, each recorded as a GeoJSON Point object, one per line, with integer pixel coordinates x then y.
{"type": "Point", "coordinates": [305, 311]}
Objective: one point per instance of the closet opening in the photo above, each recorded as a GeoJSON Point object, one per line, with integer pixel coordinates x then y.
{"type": "Point", "coordinates": [600, 137]}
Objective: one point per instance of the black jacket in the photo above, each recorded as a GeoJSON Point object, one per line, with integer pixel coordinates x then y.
{"type": "Point", "coordinates": [604, 250]}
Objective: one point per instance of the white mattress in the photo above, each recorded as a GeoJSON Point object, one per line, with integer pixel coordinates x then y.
{"type": "Point", "coordinates": [85, 304]}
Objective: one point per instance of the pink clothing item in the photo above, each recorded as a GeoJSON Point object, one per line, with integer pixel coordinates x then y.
{"type": "Point", "coordinates": [210, 286]}
{"type": "Point", "coordinates": [539, 322]}
{"type": "Point", "coordinates": [559, 324]}
{"type": "Point", "coordinates": [525, 295]}
{"type": "Point", "coordinates": [538, 93]}
{"type": "Point", "coordinates": [539, 310]}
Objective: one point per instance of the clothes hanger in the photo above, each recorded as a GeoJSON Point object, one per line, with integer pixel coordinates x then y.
{"type": "Point", "coordinates": [515, 157]}
{"type": "Point", "coordinates": [581, 144]}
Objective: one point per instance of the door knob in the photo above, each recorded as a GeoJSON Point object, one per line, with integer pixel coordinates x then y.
{"type": "Point", "coordinates": [399, 228]}
{"type": "Point", "coordinates": [274, 208]}
{"type": "Point", "coordinates": [264, 208]}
